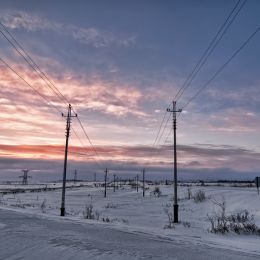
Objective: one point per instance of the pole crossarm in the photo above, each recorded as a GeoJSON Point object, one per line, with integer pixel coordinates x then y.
{"type": "Point", "coordinates": [105, 192]}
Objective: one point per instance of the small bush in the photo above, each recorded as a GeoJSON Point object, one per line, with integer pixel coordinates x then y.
{"type": "Point", "coordinates": [170, 218]}
{"type": "Point", "coordinates": [110, 206]}
{"type": "Point", "coordinates": [157, 192]}
{"type": "Point", "coordinates": [186, 224]}
{"type": "Point", "coordinates": [106, 219]}
{"type": "Point", "coordinates": [189, 193]}
{"type": "Point", "coordinates": [43, 206]}
{"type": "Point", "coordinates": [199, 196]}
{"type": "Point", "coordinates": [240, 223]}
{"type": "Point", "coordinates": [114, 220]}
{"type": "Point", "coordinates": [88, 212]}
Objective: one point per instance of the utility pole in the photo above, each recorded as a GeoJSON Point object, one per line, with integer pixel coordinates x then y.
{"type": "Point", "coordinates": [143, 182]}
{"type": "Point", "coordinates": [69, 116]}
{"type": "Point", "coordinates": [175, 206]}
{"type": "Point", "coordinates": [137, 180]}
{"type": "Point", "coordinates": [117, 183]}
{"type": "Point", "coordinates": [95, 177]}
{"type": "Point", "coordinates": [105, 193]}
{"type": "Point", "coordinates": [75, 176]}
{"type": "Point", "coordinates": [114, 182]}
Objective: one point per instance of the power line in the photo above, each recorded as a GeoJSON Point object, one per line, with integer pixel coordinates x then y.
{"type": "Point", "coordinates": [160, 127]}
{"type": "Point", "coordinates": [42, 75]}
{"type": "Point", "coordinates": [90, 142]}
{"type": "Point", "coordinates": [28, 84]}
{"type": "Point", "coordinates": [46, 101]}
{"type": "Point", "coordinates": [222, 67]}
{"type": "Point", "coordinates": [211, 47]}
{"type": "Point", "coordinates": [164, 128]}
{"type": "Point", "coordinates": [33, 65]}
{"type": "Point", "coordinates": [160, 148]}
{"type": "Point", "coordinates": [82, 144]}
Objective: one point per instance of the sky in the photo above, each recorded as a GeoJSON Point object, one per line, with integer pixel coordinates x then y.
{"type": "Point", "coordinates": [120, 65]}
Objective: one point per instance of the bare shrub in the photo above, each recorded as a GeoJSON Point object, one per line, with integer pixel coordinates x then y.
{"type": "Point", "coordinates": [240, 223]}
{"type": "Point", "coordinates": [110, 206]}
{"type": "Point", "coordinates": [189, 193]}
{"type": "Point", "coordinates": [89, 213]}
{"type": "Point", "coordinates": [157, 192]}
{"type": "Point", "coordinates": [169, 214]}
{"type": "Point", "coordinates": [43, 206]}
{"type": "Point", "coordinates": [186, 224]}
{"type": "Point", "coordinates": [167, 205]}
{"type": "Point", "coordinates": [199, 196]}
{"type": "Point", "coordinates": [106, 219]}
{"type": "Point", "coordinates": [114, 220]}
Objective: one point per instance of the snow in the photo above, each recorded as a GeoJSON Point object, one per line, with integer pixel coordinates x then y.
{"type": "Point", "coordinates": [128, 211]}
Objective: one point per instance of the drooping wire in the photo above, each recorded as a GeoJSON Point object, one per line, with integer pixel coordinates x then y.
{"type": "Point", "coordinates": [82, 144]}
{"type": "Point", "coordinates": [89, 140]}
{"type": "Point", "coordinates": [211, 47]}
{"type": "Point", "coordinates": [33, 88]}
{"type": "Point", "coordinates": [33, 65]}
{"type": "Point", "coordinates": [223, 66]}
{"type": "Point", "coordinates": [43, 76]}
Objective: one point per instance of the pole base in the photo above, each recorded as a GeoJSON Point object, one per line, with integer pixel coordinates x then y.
{"type": "Point", "coordinates": [175, 215]}
{"type": "Point", "coordinates": [62, 212]}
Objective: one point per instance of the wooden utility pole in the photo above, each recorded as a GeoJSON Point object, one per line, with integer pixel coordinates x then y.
{"type": "Point", "coordinates": [175, 205]}
{"type": "Point", "coordinates": [143, 182]}
{"type": "Point", "coordinates": [114, 182]}
{"type": "Point", "coordinates": [105, 193]}
{"type": "Point", "coordinates": [117, 183]}
{"type": "Point", "coordinates": [137, 180]}
{"type": "Point", "coordinates": [69, 116]}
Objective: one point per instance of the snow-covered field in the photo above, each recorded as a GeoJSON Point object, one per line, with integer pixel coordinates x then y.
{"type": "Point", "coordinates": [128, 210]}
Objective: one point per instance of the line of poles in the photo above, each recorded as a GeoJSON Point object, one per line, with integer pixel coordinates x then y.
{"type": "Point", "coordinates": [69, 117]}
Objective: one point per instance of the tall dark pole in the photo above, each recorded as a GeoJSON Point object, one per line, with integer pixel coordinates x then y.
{"type": "Point", "coordinates": [175, 206]}
{"type": "Point", "coordinates": [62, 209]}
{"type": "Point", "coordinates": [105, 193]}
{"type": "Point", "coordinates": [114, 182]}
{"type": "Point", "coordinates": [137, 180]}
{"type": "Point", "coordinates": [117, 183]}
{"type": "Point", "coordinates": [143, 182]}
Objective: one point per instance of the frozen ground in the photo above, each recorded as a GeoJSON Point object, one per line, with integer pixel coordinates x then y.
{"type": "Point", "coordinates": [134, 218]}
{"type": "Point", "coordinates": [30, 237]}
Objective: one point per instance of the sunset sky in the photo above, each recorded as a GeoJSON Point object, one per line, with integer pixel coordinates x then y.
{"type": "Point", "coordinates": [120, 64]}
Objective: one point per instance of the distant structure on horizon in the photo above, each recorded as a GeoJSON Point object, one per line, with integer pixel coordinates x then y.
{"type": "Point", "coordinates": [25, 176]}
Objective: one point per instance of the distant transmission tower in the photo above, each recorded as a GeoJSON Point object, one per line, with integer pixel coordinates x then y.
{"type": "Point", "coordinates": [25, 177]}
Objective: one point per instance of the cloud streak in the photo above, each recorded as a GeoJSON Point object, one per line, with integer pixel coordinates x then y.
{"type": "Point", "coordinates": [190, 156]}
{"type": "Point", "coordinates": [90, 36]}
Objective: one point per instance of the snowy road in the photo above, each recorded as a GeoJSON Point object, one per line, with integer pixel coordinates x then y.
{"type": "Point", "coordinates": [29, 237]}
